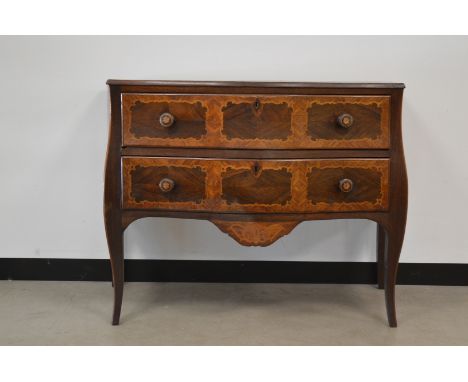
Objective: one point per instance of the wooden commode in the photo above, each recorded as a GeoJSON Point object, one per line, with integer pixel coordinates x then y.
{"type": "Point", "coordinates": [256, 159]}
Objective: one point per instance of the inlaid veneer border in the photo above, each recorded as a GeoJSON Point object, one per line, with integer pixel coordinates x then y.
{"type": "Point", "coordinates": [215, 138]}
{"type": "Point", "coordinates": [214, 169]}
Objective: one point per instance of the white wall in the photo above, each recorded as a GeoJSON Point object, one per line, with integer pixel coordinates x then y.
{"type": "Point", "coordinates": [53, 124]}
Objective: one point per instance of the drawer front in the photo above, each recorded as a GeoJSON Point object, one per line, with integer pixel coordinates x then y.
{"type": "Point", "coordinates": [249, 186]}
{"type": "Point", "coordinates": [263, 121]}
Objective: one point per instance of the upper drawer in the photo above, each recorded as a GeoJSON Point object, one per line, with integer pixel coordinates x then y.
{"type": "Point", "coordinates": [256, 121]}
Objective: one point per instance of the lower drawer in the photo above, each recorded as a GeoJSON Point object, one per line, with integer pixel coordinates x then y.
{"type": "Point", "coordinates": [249, 186]}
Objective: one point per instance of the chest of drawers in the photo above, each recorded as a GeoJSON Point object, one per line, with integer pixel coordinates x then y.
{"type": "Point", "coordinates": [256, 159]}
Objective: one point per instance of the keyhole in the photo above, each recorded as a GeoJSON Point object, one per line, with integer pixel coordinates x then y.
{"type": "Point", "coordinates": [257, 104]}
{"type": "Point", "coordinates": [256, 168]}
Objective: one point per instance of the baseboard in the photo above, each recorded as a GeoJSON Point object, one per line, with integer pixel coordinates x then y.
{"type": "Point", "coordinates": [229, 271]}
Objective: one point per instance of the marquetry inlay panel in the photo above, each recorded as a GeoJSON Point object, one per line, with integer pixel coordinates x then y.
{"type": "Point", "coordinates": [266, 186]}
{"type": "Point", "coordinates": [255, 233]}
{"type": "Point", "coordinates": [261, 121]}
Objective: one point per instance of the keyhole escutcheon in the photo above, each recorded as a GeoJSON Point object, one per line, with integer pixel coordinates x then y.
{"type": "Point", "coordinates": [257, 104]}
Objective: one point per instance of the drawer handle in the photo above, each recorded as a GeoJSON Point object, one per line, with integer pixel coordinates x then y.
{"type": "Point", "coordinates": [166, 185]}
{"type": "Point", "coordinates": [166, 119]}
{"type": "Point", "coordinates": [346, 185]}
{"type": "Point", "coordinates": [345, 120]}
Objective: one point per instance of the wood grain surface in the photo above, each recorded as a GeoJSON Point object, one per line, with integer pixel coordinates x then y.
{"type": "Point", "coordinates": [234, 121]}
{"type": "Point", "coordinates": [242, 186]}
{"type": "Point", "coordinates": [255, 233]}
{"type": "Point", "coordinates": [256, 159]}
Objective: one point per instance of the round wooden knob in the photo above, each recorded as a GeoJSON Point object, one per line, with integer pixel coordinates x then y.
{"type": "Point", "coordinates": [166, 184]}
{"type": "Point", "coordinates": [346, 185]}
{"type": "Point", "coordinates": [345, 120]}
{"type": "Point", "coordinates": [166, 119]}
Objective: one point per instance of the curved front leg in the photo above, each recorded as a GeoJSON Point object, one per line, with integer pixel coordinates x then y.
{"type": "Point", "coordinates": [395, 235]}
{"type": "Point", "coordinates": [394, 228]}
{"type": "Point", "coordinates": [112, 210]}
{"type": "Point", "coordinates": [115, 243]}
{"type": "Point", "coordinates": [381, 247]}
{"type": "Point", "coordinates": [117, 264]}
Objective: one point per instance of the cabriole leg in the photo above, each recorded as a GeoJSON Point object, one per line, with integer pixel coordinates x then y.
{"type": "Point", "coordinates": [395, 235]}
{"type": "Point", "coordinates": [117, 263]}
{"type": "Point", "coordinates": [114, 233]}
{"type": "Point", "coordinates": [381, 246]}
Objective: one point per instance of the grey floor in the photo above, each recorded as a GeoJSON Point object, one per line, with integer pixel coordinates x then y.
{"type": "Point", "coordinates": [78, 313]}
